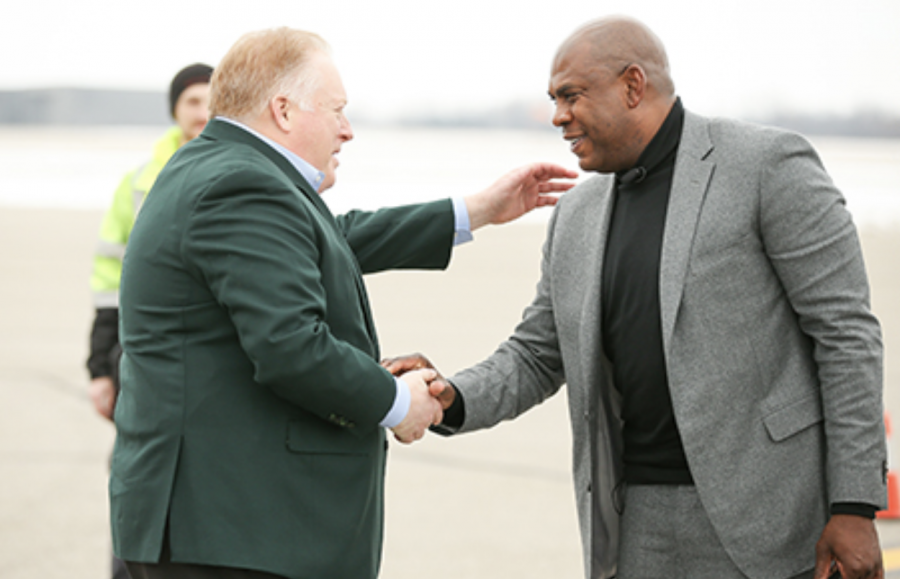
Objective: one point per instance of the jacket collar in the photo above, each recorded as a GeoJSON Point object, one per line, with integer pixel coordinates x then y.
{"type": "Point", "coordinates": [218, 130]}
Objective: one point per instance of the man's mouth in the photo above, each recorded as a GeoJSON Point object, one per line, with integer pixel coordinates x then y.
{"type": "Point", "coordinates": [574, 142]}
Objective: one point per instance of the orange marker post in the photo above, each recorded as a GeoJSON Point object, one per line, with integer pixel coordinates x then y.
{"type": "Point", "coordinates": [893, 481]}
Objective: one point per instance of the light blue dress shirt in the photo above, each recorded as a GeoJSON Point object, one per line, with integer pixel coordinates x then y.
{"type": "Point", "coordinates": [314, 177]}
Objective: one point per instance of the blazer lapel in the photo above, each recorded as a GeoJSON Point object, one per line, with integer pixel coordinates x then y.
{"type": "Point", "coordinates": [599, 213]}
{"type": "Point", "coordinates": [364, 306]}
{"type": "Point", "coordinates": [693, 171]}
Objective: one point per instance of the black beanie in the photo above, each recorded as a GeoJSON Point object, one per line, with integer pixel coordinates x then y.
{"type": "Point", "coordinates": [193, 74]}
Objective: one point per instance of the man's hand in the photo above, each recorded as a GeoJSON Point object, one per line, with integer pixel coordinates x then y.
{"type": "Point", "coordinates": [424, 409]}
{"type": "Point", "coordinates": [103, 394]}
{"type": "Point", "coordinates": [517, 193]}
{"type": "Point", "coordinates": [439, 387]}
{"type": "Point", "coordinates": [851, 543]}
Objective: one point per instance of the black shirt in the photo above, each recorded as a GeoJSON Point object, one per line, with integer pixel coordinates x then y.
{"type": "Point", "coordinates": [632, 332]}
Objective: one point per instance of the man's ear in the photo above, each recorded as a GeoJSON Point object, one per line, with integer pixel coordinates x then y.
{"type": "Point", "coordinates": [635, 85]}
{"type": "Point", "coordinates": [281, 110]}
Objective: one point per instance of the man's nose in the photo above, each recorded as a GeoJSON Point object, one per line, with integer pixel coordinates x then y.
{"type": "Point", "coordinates": [346, 130]}
{"type": "Point", "coordinates": [561, 115]}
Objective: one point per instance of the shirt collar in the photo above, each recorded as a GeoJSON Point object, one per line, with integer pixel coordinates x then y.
{"type": "Point", "coordinates": [662, 146]}
{"type": "Point", "coordinates": [312, 175]}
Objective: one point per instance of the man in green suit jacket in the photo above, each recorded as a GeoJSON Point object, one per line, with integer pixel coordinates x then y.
{"type": "Point", "coordinates": [251, 418]}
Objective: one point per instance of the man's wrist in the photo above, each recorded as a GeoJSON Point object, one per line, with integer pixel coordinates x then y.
{"type": "Point", "coordinates": [455, 415]}
{"type": "Point", "coordinates": [400, 408]}
{"type": "Point", "coordinates": [860, 509]}
{"type": "Point", "coordinates": [463, 225]}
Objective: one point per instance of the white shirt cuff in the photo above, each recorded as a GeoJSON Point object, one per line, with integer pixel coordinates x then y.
{"type": "Point", "coordinates": [463, 225]}
{"type": "Point", "coordinates": [401, 405]}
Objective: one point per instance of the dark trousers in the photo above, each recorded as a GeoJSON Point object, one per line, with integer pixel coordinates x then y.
{"type": "Point", "coordinates": [119, 571]}
{"type": "Point", "coordinates": [166, 569]}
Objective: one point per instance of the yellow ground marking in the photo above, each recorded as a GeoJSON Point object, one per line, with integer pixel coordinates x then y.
{"type": "Point", "coordinates": [891, 558]}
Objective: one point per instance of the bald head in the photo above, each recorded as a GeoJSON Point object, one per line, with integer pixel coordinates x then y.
{"type": "Point", "coordinates": [611, 85]}
{"type": "Point", "coordinates": [618, 42]}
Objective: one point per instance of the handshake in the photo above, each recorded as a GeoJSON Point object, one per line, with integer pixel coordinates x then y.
{"type": "Point", "coordinates": [430, 395]}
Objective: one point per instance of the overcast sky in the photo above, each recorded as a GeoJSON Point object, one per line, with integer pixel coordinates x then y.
{"type": "Point", "coordinates": [418, 56]}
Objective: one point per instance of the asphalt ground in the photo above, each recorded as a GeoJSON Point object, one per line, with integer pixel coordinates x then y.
{"type": "Point", "coordinates": [492, 504]}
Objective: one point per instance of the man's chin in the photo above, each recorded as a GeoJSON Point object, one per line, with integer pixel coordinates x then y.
{"type": "Point", "coordinates": [588, 165]}
{"type": "Point", "coordinates": [592, 164]}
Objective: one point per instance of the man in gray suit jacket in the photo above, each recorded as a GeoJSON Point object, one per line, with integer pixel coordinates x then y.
{"type": "Point", "coordinates": [706, 302]}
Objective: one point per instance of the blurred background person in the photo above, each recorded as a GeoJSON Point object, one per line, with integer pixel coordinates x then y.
{"type": "Point", "coordinates": [188, 105]}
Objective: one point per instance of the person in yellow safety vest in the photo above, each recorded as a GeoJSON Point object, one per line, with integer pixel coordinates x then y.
{"type": "Point", "coordinates": [188, 105]}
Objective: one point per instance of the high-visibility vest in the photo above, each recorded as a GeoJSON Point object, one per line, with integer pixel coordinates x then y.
{"type": "Point", "coordinates": [119, 219]}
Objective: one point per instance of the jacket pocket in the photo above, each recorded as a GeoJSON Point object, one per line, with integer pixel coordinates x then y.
{"type": "Point", "coordinates": [793, 418]}
{"type": "Point", "coordinates": [319, 437]}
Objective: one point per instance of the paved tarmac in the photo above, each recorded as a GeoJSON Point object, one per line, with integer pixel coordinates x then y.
{"type": "Point", "coordinates": [494, 504]}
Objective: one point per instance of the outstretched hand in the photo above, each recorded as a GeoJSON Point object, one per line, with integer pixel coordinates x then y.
{"type": "Point", "coordinates": [849, 543]}
{"type": "Point", "coordinates": [439, 387]}
{"type": "Point", "coordinates": [517, 193]}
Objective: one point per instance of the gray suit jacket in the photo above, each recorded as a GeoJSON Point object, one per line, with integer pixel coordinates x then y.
{"type": "Point", "coordinates": [773, 357]}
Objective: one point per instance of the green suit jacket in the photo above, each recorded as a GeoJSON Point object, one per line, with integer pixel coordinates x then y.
{"type": "Point", "coordinates": [248, 420]}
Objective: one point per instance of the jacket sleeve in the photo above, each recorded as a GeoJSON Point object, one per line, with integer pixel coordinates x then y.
{"type": "Point", "coordinates": [256, 244]}
{"type": "Point", "coordinates": [813, 246]}
{"type": "Point", "coordinates": [524, 371]}
{"type": "Point", "coordinates": [408, 237]}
